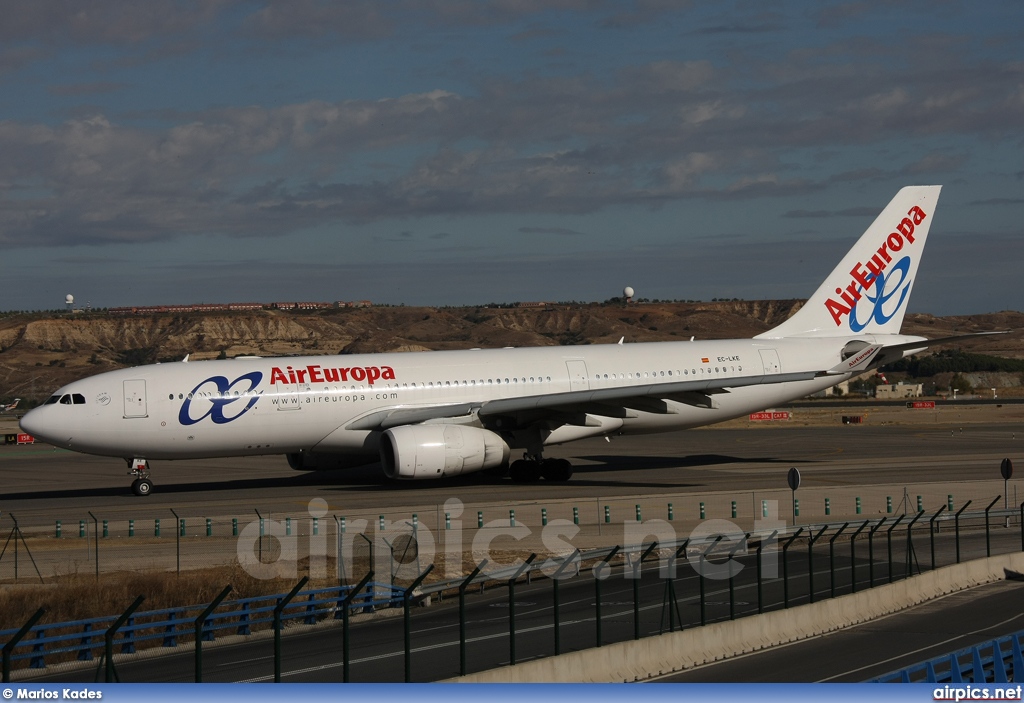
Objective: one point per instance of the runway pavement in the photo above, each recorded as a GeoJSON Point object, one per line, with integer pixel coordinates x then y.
{"type": "Point", "coordinates": [896, 455]}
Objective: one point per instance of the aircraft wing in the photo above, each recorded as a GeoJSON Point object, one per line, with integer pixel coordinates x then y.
{"type": "Point", "coordinates": [569, 407]}
{"type": "Point", "coordinates": [611, 402]}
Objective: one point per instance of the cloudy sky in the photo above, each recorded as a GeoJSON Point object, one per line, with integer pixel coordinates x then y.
{"type": "Point", "coordinates": [459, 151]}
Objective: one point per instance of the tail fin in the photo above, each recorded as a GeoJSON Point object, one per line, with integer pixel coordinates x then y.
{"type": "Point", "coordinates": [867, 293]}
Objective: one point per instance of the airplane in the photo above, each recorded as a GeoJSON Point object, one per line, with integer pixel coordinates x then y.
{"type": "Point", "coordinates": [11, 407]}
{"type": "Point", "coordinates": [446, 413]}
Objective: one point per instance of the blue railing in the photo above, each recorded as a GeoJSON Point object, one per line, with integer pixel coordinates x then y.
{"type": "Point", "coordinates": [85, 638]}
{"type": "Point", "coordinates": [998, 661]}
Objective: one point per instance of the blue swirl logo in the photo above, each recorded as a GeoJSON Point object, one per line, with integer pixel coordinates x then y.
{"type": "Point", "coordinates": [223, 402]}
{"type": "Point", "coordinates": [885, 291]}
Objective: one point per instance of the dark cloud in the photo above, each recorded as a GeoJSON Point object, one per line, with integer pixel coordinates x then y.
{"type": "Point", "coordinates": [550, 230]}
{"type": "Point", "coordinates": [75, 89]}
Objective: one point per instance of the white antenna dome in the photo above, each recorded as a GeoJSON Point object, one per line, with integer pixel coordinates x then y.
{"type": "Point", "coordinates": [69, 299]}
{"type": "Point", "coordinates": [628, 291]}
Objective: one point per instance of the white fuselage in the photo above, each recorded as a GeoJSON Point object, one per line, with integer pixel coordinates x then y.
{"type": "Point", "coordinates": [253, 406]}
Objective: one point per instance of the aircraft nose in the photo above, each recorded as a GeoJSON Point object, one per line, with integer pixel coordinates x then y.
{"type": "Point", "coordinates": [34, 424]}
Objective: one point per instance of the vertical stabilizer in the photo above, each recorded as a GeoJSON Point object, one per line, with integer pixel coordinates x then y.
{"type": "Point", "coordinates": [867, 292]}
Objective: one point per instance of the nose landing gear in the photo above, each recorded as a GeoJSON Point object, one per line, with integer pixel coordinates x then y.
{"type": "Point", "coordinates": [141, 486]}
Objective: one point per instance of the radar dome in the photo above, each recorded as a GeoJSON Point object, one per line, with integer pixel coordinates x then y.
{"type": "Point", "coordinates": [69, 299]}
{"type": "Point", "coordinates": [628, 291]}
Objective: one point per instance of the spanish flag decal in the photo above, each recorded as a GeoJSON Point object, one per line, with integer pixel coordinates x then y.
{"type": "Point", "coordinates": [704, 360]}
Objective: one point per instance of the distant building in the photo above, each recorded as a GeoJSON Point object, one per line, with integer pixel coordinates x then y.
{"type": "Point", "coordinates": [900, 390]}
{"type": "Point", "coordinates": [531, 305]}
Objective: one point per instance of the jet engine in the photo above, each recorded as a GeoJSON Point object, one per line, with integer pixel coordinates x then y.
{"type": "Point", "coordinates": [436, 451]}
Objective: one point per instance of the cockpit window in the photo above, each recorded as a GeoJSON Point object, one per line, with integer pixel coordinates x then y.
{"type": "Point", "coordinates": [52, 399]}
{"type": "Point", "coordinates": [65, 400]}
{"type": "Point", "coordinates": [78, 399]}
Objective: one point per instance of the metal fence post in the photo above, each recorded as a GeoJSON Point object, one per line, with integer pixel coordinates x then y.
{"type": "Point", "coordinates": [108, 641]}
{"type": "Point", "coordinates": [278, 610]}
{"type": "Point", "coordinates": [988, 541]}
{"type": "Point", "coordinates": [810, 561]}
{"type": "Point", "coordinates": [555, 577]}
{"type": "Point", "coordinates": [732, 578]}
{"type": "Point", "coordinates": [462, 615]}
{"type": "Point", "coordinates": [700, 580]}
{"type": "Point", "coordinates": [670, 588]}
{"type": "Point", "coordinates": [637, 575]}
{"type": "Point", "coordinates": [910, 547]}
{"type": "Point", "coordinates": [853, 557]}
{"type": "Point", "coordinates": [871, 552]}
{"type": "Point", "coordinates": [832, 560]}
{"type": "Point", "coordinates": [512, 609]}
{"type": "Point", "coordinates": [406, 598]}
{"type": "Point", "coordinates": [785, 567]}
{"type": "Point", "coordinates": [96, 531]}
{"type": "Point", "coordinates": [197, 628]}
{"type": "Point", "coordinates": [956, 527]}
{"type": "Point", "coordinates": [345, 608]}
{"type": "Point", "coordinates": [177, 542]}
{"type": "Point", "coordinates": [598, 572]}
{"type": "Point", "coordinates": [13, 642]}
{"type": "Point", "coordinates": [760, 580]}
{"type": "Point", "coordinates": [888, 540]}
{"type": "Point", "coordinates": [931, 533]}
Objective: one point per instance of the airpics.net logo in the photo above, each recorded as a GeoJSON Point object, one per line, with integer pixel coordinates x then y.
{"type": "Point", "coordinates": [268, 549]}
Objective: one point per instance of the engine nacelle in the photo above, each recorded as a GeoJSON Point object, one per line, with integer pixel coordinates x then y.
{"type": "Point", "coordinates": [436, 451]}
{"type": "Point", "coordinates": [310, 461]}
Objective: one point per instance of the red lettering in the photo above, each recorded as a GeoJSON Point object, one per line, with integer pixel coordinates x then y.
{"type": "Point", "coordinates": [291, 375]}
{"type": "Point", "coordinates": [862, 277]}
{"type": "Point", "coordinates": [331, 375]}
{"type": "Point", "coordinates": [387, 373]}
{"type": "Point", "coordinates": [344, 374]}
{"type": "Point", "coordinates": [837, 310]}
{"type": "Point", "coordinates": [314, 374]}
{"type": "Point", "coordinates": [854, 292]}
{"type": "Point", "coordinates": [876, 265]}
{"type": "Point", "coordinates": [372, 374]}
{"type": "Point", "coordinates": [906, 228]}
{"type": "Point", "coordinates": [883, 253]}
{"type": "Point", "coordinates": [302, 375]}
{"type": "Point", "coordinates": [845, 296]}
{"type": "Point", "coordinates": [918, 214]}
{"type": "Point", "coordinates": [277, 376]}
{"type": "Point", "coordinates": [358, 374]}
{"type": "Point", "coordinates": [895, 241]}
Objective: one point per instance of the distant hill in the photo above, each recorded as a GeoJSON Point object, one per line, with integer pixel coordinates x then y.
{"type": "Point", "coordinates": [38, 353]}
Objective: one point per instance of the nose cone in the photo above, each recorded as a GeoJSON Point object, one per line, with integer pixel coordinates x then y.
{"type": "Point", "coordinates": [34, 422]}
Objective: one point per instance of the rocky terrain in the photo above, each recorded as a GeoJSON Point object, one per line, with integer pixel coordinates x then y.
{"type": "Point", "coordinates": [40, 352]}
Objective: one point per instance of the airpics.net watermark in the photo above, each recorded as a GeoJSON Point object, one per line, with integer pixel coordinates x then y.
{"type": "Point", "coordinates": [266, 548]}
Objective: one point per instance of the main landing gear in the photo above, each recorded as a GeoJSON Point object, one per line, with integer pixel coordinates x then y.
{"type": "Point", "coordinates": [141, 486]}
{"type": "Point", "coordinates": [530, 469]}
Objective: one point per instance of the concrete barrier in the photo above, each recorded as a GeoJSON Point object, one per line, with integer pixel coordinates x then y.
{"type": "Point", "coordinates": [653, 656]}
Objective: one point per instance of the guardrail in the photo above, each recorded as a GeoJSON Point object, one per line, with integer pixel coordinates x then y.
{"type": "Point", "coordinates": [83, 640]}
{"type": "Point", "coordinates": [998, 661]}
{"type": "Point", "coordinates": [886, 537]}
{"type": "Point", "coordinates": [906, 521]}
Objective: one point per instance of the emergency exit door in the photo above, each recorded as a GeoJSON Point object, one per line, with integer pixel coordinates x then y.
{"type": "Point", "coordinates": [135, 398]}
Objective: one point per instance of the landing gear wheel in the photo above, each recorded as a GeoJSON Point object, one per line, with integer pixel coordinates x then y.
{"type": "Point", "coordinates": [524, 471]}
{"type": "Point", "coordinates": [558, 470]}
{"type": "Point", "coordinates": [141, 486]}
